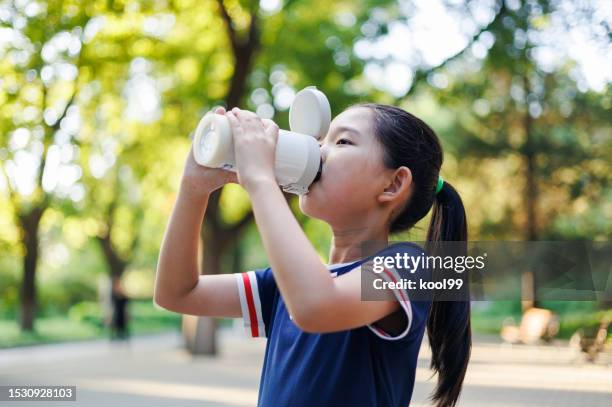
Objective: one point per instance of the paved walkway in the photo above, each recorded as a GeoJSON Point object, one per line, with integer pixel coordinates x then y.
{"type": "Point", "coordinates": [155, 371]}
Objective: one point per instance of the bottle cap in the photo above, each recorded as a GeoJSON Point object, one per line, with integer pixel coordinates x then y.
{"type": "Point", "coordinates": [310, 113]}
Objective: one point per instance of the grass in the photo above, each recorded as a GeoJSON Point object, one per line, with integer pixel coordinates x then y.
{"type": "Point", "coordinates": [83, 322]}
{"type": "Point", "coordinates": [572, 316]}
{"type": "Point", "coordinates": [47, 330]}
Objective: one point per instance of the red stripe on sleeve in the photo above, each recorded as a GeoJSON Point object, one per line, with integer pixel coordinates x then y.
{"type": "Point", "coordinates": [380, 331]}
{"type": "Point", "coordinates": [251, 304]}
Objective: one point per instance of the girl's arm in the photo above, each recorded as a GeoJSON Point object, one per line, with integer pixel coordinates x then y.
{"type": "Point", "coordinates": [316, 301]}
{"type": "Point", "coordinates": [179, 286]}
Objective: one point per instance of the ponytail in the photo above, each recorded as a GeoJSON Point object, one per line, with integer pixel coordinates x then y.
{"type": "Point", "coordinates": [448, 326]}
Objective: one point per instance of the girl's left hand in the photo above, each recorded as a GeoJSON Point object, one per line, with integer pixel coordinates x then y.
{"type": "Point", "coordinates": [254, 147]}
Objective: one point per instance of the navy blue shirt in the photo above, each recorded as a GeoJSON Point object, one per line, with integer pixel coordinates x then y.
{"type": "Point", "coordinates": [365, 366]}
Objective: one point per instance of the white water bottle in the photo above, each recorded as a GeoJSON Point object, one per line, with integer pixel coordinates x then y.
{"type": "Point", "coordinates": [297, 157]}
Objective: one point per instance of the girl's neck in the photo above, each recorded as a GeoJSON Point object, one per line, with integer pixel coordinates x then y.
{"type": "Point", "coordinates": [346, 244]}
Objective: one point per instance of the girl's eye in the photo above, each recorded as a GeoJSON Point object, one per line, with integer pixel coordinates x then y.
{"type": "Point", "coordinates": [343, 141]}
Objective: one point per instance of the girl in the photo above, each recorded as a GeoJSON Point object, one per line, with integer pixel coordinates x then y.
{"type": "Point", "coordinates": [327, 347]}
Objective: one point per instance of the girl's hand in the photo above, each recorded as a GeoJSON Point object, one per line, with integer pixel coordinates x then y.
{"type": "Point", "coordinates": [254, 147]}
{"type": "Point", "coordinates": [201, 180]}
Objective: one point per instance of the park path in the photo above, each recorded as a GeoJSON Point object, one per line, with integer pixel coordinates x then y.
{"type": "Point", "coordinates": [155, 371]}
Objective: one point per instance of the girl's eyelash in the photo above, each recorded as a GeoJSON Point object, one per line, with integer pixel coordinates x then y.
{"type": "Point", "coordinates": [339, 140]}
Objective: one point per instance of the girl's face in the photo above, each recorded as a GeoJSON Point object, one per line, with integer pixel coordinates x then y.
{"type": "Point", "coordinates": [353, 173]}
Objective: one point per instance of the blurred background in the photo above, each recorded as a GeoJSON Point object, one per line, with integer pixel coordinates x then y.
{"type": "Point", "coordinates": [98, 100]}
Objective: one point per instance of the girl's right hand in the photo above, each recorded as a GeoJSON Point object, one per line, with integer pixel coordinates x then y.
{"type": "Point", "coordinates": [202, 180]}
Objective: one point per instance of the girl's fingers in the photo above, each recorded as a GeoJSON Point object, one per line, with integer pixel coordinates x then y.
{"type": "Point", "coordinates": [234, 123]}
{"type": "Point", "coordinates": [238, 128]}
{"type": "Point", "coordinates": [245, 115]}
{"type": "Point", "coordinates": [237, 112]}
{"type": "Point", "coordinates": [267, 123]}
{"type": "Point", "coordinates": [272, 131]}
{"type": "Point", "coordinates": [248, 121]}
{"type": "Point", "coordinates": [220, 110]}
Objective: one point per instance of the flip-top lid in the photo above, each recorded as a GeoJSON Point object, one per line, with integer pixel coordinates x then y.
{"type": "Point", "coordinates": [310, 113]}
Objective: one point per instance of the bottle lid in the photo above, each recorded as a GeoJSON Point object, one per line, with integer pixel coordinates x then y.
{"type": "Point", "coordinates": [310, 113]}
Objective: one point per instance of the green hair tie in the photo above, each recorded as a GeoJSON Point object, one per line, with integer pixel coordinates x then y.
{"type": "Point", "coordinates": [440, 184]}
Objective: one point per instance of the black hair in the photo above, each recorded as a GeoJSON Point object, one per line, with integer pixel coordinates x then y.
{"type": "Point", "coordinates": [408, 141]}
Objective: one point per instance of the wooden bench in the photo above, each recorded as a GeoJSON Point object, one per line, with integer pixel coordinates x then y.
{"type": "Point", "coordinates": [536, 324]}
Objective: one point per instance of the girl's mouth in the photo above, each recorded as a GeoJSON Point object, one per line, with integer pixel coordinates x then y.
{"type": "Point", "coordinates": [318, 176]}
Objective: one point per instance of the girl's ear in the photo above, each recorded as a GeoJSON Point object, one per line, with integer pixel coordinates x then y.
{"type": "Point", "coordinates": [398, 186]}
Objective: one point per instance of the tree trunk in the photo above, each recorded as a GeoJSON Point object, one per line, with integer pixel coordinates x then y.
{"type": "Point", "coordinates": [116, 265]}
{"type": "Point", "coordinates": [531, 193]}
{"type": "Point", "coordinates": [29, 223]}
{"type": "Point", "coordinates": [529, 279]}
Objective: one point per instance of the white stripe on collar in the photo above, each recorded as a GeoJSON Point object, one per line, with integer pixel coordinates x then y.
{"type": "Point", "coordinates": [336, 265]}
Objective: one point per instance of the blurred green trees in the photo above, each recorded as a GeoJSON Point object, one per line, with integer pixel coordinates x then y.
{"type": "Point", "coordinates": [98, 98]}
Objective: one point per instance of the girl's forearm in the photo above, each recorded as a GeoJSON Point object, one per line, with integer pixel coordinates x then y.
{"type": "Point", "coordinates": [177, 267]}
{"type": "Point", "coordinates": [298, 270]}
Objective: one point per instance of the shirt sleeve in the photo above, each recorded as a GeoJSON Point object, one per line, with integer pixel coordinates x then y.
{"type": "Point", "coordinates": [416, 313]}
{"type": "Point", "coordinates": [257, 291]}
